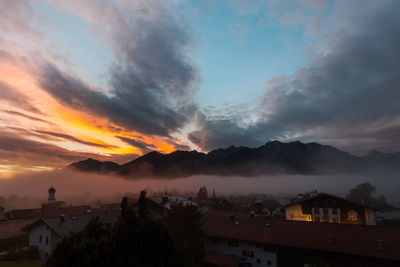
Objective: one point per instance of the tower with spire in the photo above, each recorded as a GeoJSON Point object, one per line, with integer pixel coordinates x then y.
{"type": "Point", "coordinates": [52, 195]}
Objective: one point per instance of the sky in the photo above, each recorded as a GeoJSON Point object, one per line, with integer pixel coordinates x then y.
{"type": "Point", "coordinates": [115, 79]}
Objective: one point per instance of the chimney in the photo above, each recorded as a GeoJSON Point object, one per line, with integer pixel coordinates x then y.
{"type": "Point", "coordinates": [381, 245]}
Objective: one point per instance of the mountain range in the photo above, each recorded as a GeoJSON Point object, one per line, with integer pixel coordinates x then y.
{"type": "Point", "coordinates": [272, 158]}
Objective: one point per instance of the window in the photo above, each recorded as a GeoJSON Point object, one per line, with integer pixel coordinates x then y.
{"type": "Point", "coordinates": [233, 243]}
{"type": "Point", "coordinates": [269, 262]}
{"type": "Point", "coordinates": [40, 239]}
{"type": "Point", "coordinates": [245, 264]}
{"type": "Point", "coordinates": [316, 210]}
{"type": "Point", "coordinates": [47, 228]}
{"type": "Point", "coordinates": [326, 211]}
{"type": "Point", "coordinates": [335, 220]}
{"type": "Point", "coordinates": [214, 240]}
{"type": "Point", "coordinates": [47, 240]}
{"type": "Point", "coordinates": [258, 261]}
{"type": "Point", "coordinates": [268, 248]}
{"type": "Point", "coordinates": [317, 219]}
{"type": "Point", "coordinates": [334, 211]}
{"type": "Point", "coordinates": [248, 253]}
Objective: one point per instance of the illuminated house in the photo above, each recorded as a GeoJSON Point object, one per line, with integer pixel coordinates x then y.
{"type": "Point", "coordinates": [320, 207]}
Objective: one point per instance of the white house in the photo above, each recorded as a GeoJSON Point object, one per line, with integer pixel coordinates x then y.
{"type": "Point", "coordinates": [240, 236]}
{"type": "Point", "coordinates": [166, 201]}
{"type": "Point", "coordinates": [45, 233]}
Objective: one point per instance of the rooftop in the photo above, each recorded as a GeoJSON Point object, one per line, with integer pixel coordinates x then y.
{"type": "Point", "coordinates": [341, 238]}
{"type": "Point", "coordinates": [171, 200]}
{"type": "Point", "coordinates": [64, 225]}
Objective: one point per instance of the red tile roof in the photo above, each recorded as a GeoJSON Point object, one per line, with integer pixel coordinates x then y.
{"type": "Point", "coordinates": [221, 260]}
{"type": "Point", "coordinates": [46, 212]}
{"type": "Point", "coordinates": [13, 228]}
{"type": "Point", "coordinates": [350, 239]}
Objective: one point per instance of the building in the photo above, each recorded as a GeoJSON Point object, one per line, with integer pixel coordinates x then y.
{"type": "Point", "coordinates": [321, 207]}
{"type": "Point", "coordinates": [51, 202]}
{"type": "Point", "coordinates": [167, 201]}
{"type": "Point", "coordinates": [261, 241]}
{"type": "Point", "coordinates": [159, 206]}
{"type": "Point", "coordinates": [50, 209]}
{"type": "Point", "coordinates": [2, 214]}
{"type": "Point", "coordinates": [45, 233]}
{"type": "Point", "coordinates": [11, 235]}
{"type": "Point", "coordinates": [12, 221]}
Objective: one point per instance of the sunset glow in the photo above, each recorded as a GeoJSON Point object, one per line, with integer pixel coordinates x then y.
{"type": "Point", "coordinates": [113, 81]}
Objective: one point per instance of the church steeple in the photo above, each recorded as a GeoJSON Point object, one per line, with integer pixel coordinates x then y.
{"type": "Point", "coordinates": [52, 195]}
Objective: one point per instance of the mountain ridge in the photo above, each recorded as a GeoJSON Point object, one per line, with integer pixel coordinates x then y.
{"type": "Point", "coordinates": [273, 157]}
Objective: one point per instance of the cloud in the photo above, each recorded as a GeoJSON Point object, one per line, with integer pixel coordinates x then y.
{"type": "Point", "coordinates": [15, 149]}
{"type": "Point", "coordinates": [73, 139]}
{"type": "Point", "coordinates": [351, 86]}
{"type": "Point", "coordinates": [13, 97]}
{"type": "Point", "coordinates": [144, 147]}
{"type": "Point", "coordinates": [152, 80]}
{"type": "Point", "coordinates": [16, 113]}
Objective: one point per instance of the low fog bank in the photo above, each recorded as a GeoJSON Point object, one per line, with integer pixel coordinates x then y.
{"type": "Point", "coordinates": [83, 188]}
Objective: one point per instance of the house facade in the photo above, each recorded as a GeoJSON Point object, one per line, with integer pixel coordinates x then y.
{"type": "Point", "coordinates": [43, 238]}
{"type": "Point", "coordinates": [320, 207]}
{"type": "Point", "coordinates": [249, 253]}
{"type": "Point", "coordinates": [45, 233]}
{"type": "Point", "coordinates": [261, 241]}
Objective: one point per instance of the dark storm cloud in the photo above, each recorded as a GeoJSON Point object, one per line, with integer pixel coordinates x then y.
{"type": "Point", "coordinates": [222, 133]}
{"type": "Point", "coordinates": [353, 85]}
{"type": "Point", "coordinates": [72, 138]}
{"type": "Point", "coordinates": [152, 81]}
{"type": "Point", "coordinates": [17, 149]}
{"type": "Point", "coordinates": [144, 147]}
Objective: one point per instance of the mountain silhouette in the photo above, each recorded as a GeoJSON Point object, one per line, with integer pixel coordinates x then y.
{"type": "Point", "coordinates": [272, 158]}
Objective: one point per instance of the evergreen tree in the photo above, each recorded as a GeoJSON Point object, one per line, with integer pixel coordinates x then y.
{"type": "Point", "coordinates": [202, 194]}
{"type": "Point", "coordinates": [90, 247]}
{"type": "Point", "coordinates": [185, 222]}
{"type": "Point", "coordinates": [137, 239]}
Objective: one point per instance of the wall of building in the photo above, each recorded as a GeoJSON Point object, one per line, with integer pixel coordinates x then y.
{"type": "Point", "coordinates": [295, 212]}
{"type": "Point", "coordinates": [257, 254]}
{"type": "Point", "coordinates": [345, 211]}
{"type": "Point", "coordinates": [43, 231]}
{"type": "Point", "coordinates": [370, 216]}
